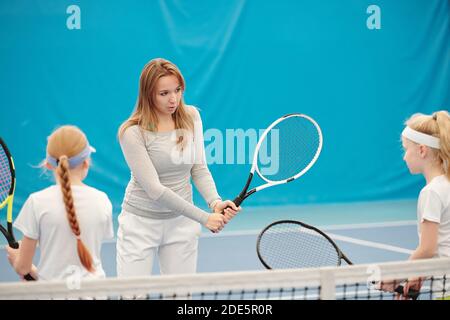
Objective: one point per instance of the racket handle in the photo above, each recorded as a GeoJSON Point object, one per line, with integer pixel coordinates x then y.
{"type": "Point", "coordinates": [412, 293]}
{"type": "Point", "coordinates": [15, 245]}
{"type": "Point", "coordinates": [238, 200]}
{"type": "Point", "coordinates": [28, 277]}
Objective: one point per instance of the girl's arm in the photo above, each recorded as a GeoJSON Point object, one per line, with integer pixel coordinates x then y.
{"type": "Point", "coordinates": [22, 259]}
{"type": "Point", "coordinates": [427, 249]}
{"type": "Point", "coordinates": [428, 241]}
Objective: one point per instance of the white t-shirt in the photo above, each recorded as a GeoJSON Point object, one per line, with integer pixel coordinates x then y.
{"type": "Point", "coordinates": [434, 205]}
{"type": "Point", "coordinates": [43, 217]}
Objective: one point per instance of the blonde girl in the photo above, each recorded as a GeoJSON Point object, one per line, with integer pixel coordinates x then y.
{"type": "Point", "coordinates": [426, 142]}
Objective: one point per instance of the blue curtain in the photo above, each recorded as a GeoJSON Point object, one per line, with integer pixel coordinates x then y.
{"type": "Point", "coordinates": [359, 70]}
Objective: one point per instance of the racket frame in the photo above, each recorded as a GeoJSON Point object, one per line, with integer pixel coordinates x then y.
{"type": "Point", "coordinates": [412, 293]}
{"type": "Point", "coordinates": [269, 183]}
{"type": "Point", "coordinates": [8, 232]}
{"type": "Point", "coordinates": [341, 255]}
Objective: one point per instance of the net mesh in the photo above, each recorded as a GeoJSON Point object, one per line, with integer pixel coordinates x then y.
{"type": "Point", "coordinates": [289, 244]}
{"type": "Point", "coordinates": [348, 282]}
{"type": "Point", "coordinates": [289, 147]}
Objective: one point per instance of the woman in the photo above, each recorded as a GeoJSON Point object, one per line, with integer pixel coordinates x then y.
{"type": "Point", "coordinates": [162, 142]}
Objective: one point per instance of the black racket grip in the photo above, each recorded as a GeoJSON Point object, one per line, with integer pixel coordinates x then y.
{"type": "Point", "coordinates": [15, 245]}
{"type": "Point", "coordinates": [28, 277]}
{"type": "Point", "coordinates": [413, 294]}
{"type": "Point", "coordinates": [238, 200]}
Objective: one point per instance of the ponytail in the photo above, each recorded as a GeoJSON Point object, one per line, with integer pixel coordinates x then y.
{"type": "Point", "coordinates": [63, 174]}
{"type": "Point", "coordinates": [443, 121]}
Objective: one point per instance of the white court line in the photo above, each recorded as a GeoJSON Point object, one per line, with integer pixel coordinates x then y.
{"type": "Point", "coordinates": [360, 242]}
{"type": "Point", "coordinates": [371, 244]}
{"type": "Point", "coordinates": [324, 228]}
{"type": "Point", "coordinates": [371, 225]}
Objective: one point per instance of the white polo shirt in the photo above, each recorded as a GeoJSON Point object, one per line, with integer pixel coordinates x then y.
{"type": "Point", "coordinates": [43, 217]}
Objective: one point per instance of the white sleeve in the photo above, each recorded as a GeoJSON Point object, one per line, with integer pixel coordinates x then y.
{"type": "Point", "coordinates": [430, 206]}
{"type": "Point", "coordinates": [201, 176]}
{"type": "Point", "coordinates": [27, 221]}
{"type": "Point", "coordinates": [141, 166]}
{"type": "Point", "coordinates": [139, 162]}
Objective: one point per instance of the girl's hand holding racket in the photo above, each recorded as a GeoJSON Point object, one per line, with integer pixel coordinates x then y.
{"type": "Point", "coordinates": [12, 254]}
{"type": "Point", "coordinates": [410, 289]}
{"type": "Point", "coordinates": [7, 188]}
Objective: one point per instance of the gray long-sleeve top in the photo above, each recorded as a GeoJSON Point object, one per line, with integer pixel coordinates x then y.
{"type": "Point", "coordinates": [160, 185]}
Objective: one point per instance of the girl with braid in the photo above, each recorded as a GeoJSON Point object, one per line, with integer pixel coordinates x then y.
{"type": "Point", "coordinates": [69, 220]}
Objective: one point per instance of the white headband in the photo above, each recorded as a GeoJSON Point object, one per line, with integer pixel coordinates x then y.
{"type": "Point", "coordinates": [421, 138]}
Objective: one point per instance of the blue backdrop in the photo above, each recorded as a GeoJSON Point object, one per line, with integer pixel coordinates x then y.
{"type": "Point", "coordinates": [360, 68]}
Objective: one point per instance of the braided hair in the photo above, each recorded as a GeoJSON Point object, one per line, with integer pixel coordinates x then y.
{"type": "Point", "coordinates": [63, 143]}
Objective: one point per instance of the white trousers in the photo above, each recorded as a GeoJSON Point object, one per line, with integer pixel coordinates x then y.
{"type": "Point", "coordinates": [140, 238]}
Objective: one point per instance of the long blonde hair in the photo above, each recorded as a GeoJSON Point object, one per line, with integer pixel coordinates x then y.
{"type": "Point", "coordinates": [144, 113]}
{"type": "Point", "coordinates": [64, 143]}
{"type": "Point", "coordinates": [436, 125]}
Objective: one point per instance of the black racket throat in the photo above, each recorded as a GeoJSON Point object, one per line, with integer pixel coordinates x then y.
{"type": "Point", "coordinates": [9, 237]}
{"type": "Point", "coordinates": [244, 194]}
{"type": "Point", "coordinates": [343, 257]}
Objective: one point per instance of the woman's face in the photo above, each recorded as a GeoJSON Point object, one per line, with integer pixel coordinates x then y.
{"type": "Point", "coordinates": [168, 95]}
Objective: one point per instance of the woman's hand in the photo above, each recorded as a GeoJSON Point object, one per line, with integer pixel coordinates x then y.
{"type": "Point", "coordinates": [227, 208]}
{"type": "Point", "coordinates": [215, 222]}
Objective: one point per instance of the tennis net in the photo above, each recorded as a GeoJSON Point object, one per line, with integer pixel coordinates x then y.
{"type": "Point", "coordinates": [346, 282]}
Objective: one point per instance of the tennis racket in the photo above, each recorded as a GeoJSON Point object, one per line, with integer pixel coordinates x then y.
{"type": "Point", "coordinates": [289, 244]}
{"type": "Point", "coordinates": [286, 150]}
{"type": "Point", "coordinates": [7, 188]}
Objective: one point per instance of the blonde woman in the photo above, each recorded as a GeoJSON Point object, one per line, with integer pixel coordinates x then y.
{"type": "Point", "coordinates": [162, 142]}
{"type": "Point", "coordinates": [69, 220]}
